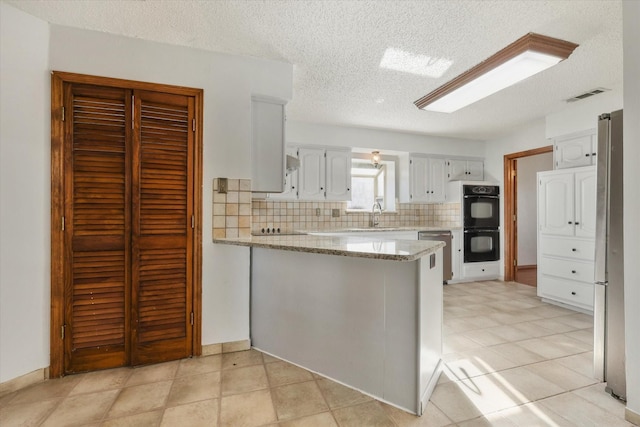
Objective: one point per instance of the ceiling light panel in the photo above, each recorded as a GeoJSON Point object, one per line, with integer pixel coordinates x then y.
{"type": "Point", "coordinates": [525, 57]}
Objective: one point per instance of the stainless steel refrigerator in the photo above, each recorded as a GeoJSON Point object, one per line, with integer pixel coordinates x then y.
{"type": "Point", "coordinates": [609, 346]}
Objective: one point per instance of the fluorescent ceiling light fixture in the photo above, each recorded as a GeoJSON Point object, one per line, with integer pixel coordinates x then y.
{"type": "Point", "coordinates": [521, 59]}
{"type": "Point", "coordinates": [407, 62]}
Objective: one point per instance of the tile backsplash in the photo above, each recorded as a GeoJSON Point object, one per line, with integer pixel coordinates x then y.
{"type": "Point", "coordinates": [235, 214]}
{"type": "Point", "coordinates": [232, 210]}
{"type": "Point", "coordinates": [295, 215]}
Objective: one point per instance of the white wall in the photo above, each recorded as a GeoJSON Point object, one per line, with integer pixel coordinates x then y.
{"type": "Point", "coordinates": [526, 138]}
{"type": "Point", "coordinates": [527, 214]}
{"type": "Point", "coordinates": [30, 48]}
{"type": "Point", "coordinates": [228, 82]}
{"type": "Point", "coordinates": [583, 115]}
{"type": "Point", "coordinates": [376, 139]}
{"type": "Point", "coordinates": [24, 193]}
{"type": "Point", "coordinates": [631, 11]}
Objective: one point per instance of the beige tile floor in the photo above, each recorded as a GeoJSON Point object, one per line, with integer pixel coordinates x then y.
{"type": "Point", "coordinates": [511, 360]}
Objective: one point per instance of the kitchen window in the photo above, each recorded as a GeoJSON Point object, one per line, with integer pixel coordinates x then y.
{"type": "Point", "coordinates": [370, 184]}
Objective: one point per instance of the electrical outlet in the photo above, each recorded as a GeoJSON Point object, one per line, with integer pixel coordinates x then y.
{"type": "Point", "coordinates": [335, 213]}
{"type": "Point", "coordinates": [222, 185]}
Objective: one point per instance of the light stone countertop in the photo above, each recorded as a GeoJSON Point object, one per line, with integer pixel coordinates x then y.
{"type": "Point", "coordinates": [361, 247]}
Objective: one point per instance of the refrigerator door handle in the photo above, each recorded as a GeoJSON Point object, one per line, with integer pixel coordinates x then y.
{"type": "Point", "coordinates": [602, 199]}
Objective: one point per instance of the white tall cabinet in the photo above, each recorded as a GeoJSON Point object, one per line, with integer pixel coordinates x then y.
{"type": "Point", "coordinates": [566, 231]}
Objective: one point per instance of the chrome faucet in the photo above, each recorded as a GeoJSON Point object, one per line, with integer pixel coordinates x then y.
{"type": "Point", "coordinates": [376, 211]}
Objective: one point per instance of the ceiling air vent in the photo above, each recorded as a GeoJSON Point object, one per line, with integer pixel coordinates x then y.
{"type": "Point", "coordinates": [587, 94]}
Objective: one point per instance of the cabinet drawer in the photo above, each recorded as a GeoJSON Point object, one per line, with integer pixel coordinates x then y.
{"type": "Point", "coordinates": [566, 291]}
{"type": "Point", "coordinates": [480, 270]}
{"type": "Point", "coordinates": [567, 248]}
{"type": "Point", "coordinates": [568, 269]}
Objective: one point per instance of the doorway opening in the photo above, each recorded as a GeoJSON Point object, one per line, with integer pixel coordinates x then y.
{"type": "Point", "coordinates": [520, 224]}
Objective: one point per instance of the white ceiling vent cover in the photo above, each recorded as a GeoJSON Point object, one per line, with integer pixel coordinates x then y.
{"type": "Point", "coordinates": [587, 94]}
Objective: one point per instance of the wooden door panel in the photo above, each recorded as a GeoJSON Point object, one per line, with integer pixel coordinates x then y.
{"type": "Point", "coordinates": [96, 228]}
{"type": "Point", "coordinates": [162, 233]}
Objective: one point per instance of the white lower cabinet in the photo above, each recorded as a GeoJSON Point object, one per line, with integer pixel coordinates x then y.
{"type": "Point", "coordinates": [565, 270]}
{"type": "Point", "coordinates": [481, 270]}
{"type": "Point", "coordinates": [456, 255]}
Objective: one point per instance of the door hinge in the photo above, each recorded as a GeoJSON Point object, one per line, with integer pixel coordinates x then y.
{"type": "Point", "coordinates": [194, 125]}
{"type": "Point", "coordinates": [193, 221]}
{"type": "Point", "coordinates": [515, 262]}
{"type": "Point", "coordinates": [63, 114]}
{"type": "Point", "coordinates": [192, 317]}
{"type": "Point", "coordinates": [514, 218]}
{"type": "Point", "coordinates": [62, 331]}
{"type": "Point", "coordinates": [62, 223]}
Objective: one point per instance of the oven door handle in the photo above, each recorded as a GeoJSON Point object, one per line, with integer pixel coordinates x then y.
{"type": "Point", "coordinates": [484, 230]}
{"type": "Point", "coordinates": [478, 196]}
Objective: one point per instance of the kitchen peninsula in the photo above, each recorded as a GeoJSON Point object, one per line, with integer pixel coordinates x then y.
{"type": "Point", "coordinates": [365, 311]}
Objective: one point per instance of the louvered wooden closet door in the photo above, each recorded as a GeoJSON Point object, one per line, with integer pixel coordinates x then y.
{"type": "Point", "coordinates": [97, 230]}
{"type": "Point", "coordinates": [162, 227]}
{"type": "Point", "coordinates": [128, 206]}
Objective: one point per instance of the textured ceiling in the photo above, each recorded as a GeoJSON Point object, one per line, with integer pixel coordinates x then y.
{"type": "Point", "coordinates": [337, 46]}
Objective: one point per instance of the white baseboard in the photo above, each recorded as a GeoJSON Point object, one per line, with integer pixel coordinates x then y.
{"type": "Point", "coordinates": [631, 416]}
{"type": "Point", "coordinates": [226, 347]}
{"type": "Point", "coordinates": [23, 381]}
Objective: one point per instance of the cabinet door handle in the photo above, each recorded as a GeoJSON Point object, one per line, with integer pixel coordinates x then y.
{"type": "Point", "coordinates": [570, 222]}
{"type": "Point", "coordinates": [573, 272]}
{"type": "Point", "coordinates": [348, 189]}
{"type": "Point", "coordinates": [573, 293]}
{"type": "Point", "coordinates": [573, 250]}
{"type": "Point", "coordinates": [322, 188]}
{"type": "Point", "coordinates": [577, 223]}
{"type": "Point", "coordinates": [593, 154]}
{"type": "Point", "coordinates": [587, 155]}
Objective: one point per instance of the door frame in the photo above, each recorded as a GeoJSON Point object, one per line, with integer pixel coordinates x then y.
{"type": "Point", "coordinates": [58, 79]}
{"type": "Point", "coordinates": [510, 207]}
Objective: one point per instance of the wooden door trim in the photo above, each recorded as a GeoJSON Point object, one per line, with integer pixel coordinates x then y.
{"type": "Point", "coordinates": [58, 79]}
{"type": "Point", "coordinates": [510, 200]}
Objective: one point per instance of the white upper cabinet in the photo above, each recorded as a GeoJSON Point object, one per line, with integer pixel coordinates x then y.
{"type": "Point", "coordinates": [267, 144]}
{"type": "Point", "coordinates": [311, 178]}
{"type": "Point", "coordinates": [325, 174]}
{"type": "Point", "coordinates": [465, 170]}
{"type": "Point", "coordinates": [575, 150]}
{"type": "Point", "coordinates": [437, 180]}
{"type": "Point", "coordinates": [290, 191]}
{"type": "Point", "coordinates": [475, 169]}
{"type": "Point", "coordinates": [419, 176]}
{"type": "Point", "coordinates": [567, 202]}
{"type": "Point", "coordinates": [426, 179]}
{"type": "Point", "coordinates": [338, 175]}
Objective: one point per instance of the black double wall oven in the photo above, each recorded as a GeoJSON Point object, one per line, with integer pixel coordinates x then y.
{"type": "Point", "coordinates": [481, 223]}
